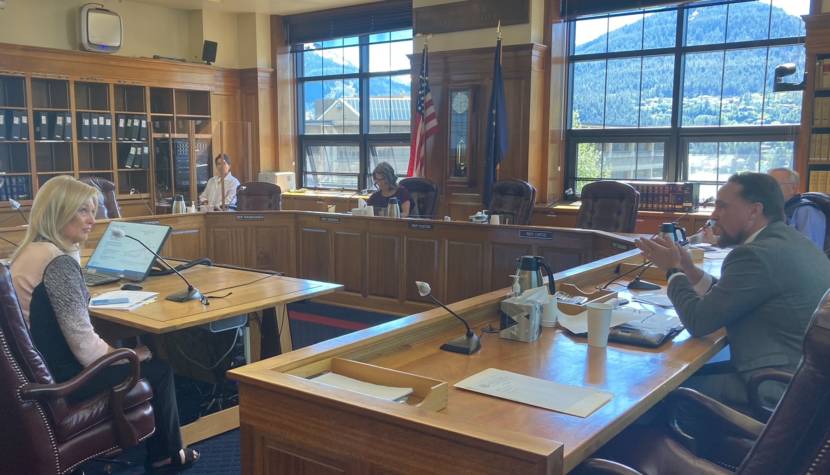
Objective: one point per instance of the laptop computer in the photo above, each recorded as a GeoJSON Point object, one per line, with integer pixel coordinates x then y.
{"type": "Point", "coordinates": [123, 258]}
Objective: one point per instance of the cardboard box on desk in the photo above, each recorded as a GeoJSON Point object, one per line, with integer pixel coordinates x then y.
{"type": "Point", "coordinates": [602, 295]}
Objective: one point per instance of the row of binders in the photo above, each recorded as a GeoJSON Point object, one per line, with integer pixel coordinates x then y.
{"type": "Point", "coordinates": [15, 187]}
{"type": "Point", "coordinates": [819, 181]}
{"type": "Point", "coordinates": [134, 156]}
{"type": "Point", "coordinates": [53, 126]}
{"type": "Point", "coordinates": [131, 128]}
{"type": "Point", "coordinates": [93, 126]}
{"type": "Point", "coordinates": [819, 148]}
{"type": "Point", "coordinates": [14, 125]}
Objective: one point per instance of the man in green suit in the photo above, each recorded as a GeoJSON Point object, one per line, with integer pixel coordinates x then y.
{"type": "Point", "coordinates": [770, 284]}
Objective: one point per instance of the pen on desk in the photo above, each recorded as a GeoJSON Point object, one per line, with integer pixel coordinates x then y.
{"type": "Point", "coordinates": [109, 301]}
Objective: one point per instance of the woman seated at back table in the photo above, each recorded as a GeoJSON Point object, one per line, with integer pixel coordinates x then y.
{"type": "Point", "coordinates": [387, 184]}
{"type": "Point", "coordinates": [47, 278]}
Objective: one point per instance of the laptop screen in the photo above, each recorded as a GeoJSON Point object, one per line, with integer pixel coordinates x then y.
{"type": "Point", "coordinates": [123, 257]}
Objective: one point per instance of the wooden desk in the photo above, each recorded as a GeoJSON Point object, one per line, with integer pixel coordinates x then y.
{"type": "Point", "coordinates": [565, 215]}
{"type": "Point", "coordinates": [292, 425]}
{"type": "Point", "coordinates": [249, 292]}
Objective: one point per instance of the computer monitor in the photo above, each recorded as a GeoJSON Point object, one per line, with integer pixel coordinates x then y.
{"type": "Point", "coordinates": [123, 257]}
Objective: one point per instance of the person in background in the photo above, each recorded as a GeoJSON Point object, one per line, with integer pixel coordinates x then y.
{"type": "Point", "coordinates": [770, 284]}
{"type": "Point", "coordinates": [212, 196]}
{"type": "Point", "coordinates": [801, 213]}
{"type": "Point", "coordinates": [47, 278]}
{"type": "Point", "coordinates": [386, 182]}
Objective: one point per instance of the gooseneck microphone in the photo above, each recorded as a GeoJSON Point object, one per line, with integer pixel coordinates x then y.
{"type": "Point", "coordinates": [192, 293]}
{"type": "Point", "coordinates": [467, 344]}
{"type": "Point", "coordinates": [16, 206]}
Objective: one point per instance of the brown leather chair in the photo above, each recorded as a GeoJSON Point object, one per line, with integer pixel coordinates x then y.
{"type": "Point", "coordinates": [513, 198]}
{"type": "Point", "coordinates": [795, 440]}
{"type": "Point", "coordinates": [107, 204]}
{"type": "Point", "coordinates": [609, 206]}
{"type": "Point", "coordinates": [257, 196]}
{"type": "Point", "coordinates": [424, 194]}
{"type": "Point", "coordinates": [45, 433]}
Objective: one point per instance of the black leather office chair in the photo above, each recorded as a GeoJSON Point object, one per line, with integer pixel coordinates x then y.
{"type": "Point", "coordinates": [424, 194]}
{"type": "Point", "coordinates": [107, 204]}
{"type": "Point", "coordinates": [513, 198]}
{"type": "Point", "coordinates": [795, 440]}
{"type": "Point", "coordinates": [257, 196]}
{"type": "Point", "coordinates": [609, 206]}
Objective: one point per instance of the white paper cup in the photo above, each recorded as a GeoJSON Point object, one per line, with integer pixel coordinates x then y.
{"type": "Point", "coordinates": [204, 208]}
{"type": "Point", "coordinates": [550, 313]}
{"type": "Point", "coordinates": [494, 219]}
{"type": "Point", "coordinates": [599, 323]}
{"type": "Point", "coordinates": [447, 218]}
{"type": "Point", "coordinates": [332, 208]}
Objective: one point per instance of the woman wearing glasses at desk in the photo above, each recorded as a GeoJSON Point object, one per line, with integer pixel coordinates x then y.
{"type": "Point", "coordinates": [54, 299]}
{"type": "Point", "coordinates": [387, 183]}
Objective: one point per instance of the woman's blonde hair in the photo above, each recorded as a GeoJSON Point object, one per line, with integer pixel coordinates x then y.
{"type": "Point", "coordinates": [55, 205]}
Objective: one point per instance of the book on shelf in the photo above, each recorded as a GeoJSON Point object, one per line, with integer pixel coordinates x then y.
{"type": "Point", "coordinates": [3, 125]}
{"type": "Point", "coordinates": [67, 126]}
{"type": "Point", "coordinates": [24, 125]}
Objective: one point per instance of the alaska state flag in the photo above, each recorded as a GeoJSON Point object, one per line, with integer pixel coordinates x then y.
{"type": "Point", "coordinates": [496, 129]}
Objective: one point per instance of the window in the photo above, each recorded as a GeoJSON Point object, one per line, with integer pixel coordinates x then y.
{"type": "Point", "coordinates": [353, 98]}
{"type": "Point", "coordinates": [683, 93]}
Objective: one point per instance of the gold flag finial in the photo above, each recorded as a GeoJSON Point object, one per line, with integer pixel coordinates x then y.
{"type": "Point", "coordinates": [498, 29]}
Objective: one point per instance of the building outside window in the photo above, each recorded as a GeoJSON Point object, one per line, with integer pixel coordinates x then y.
{"type": "Point", "coordinates": [683, 93]}
{"type": "Point", "coordinates": [353, 99]}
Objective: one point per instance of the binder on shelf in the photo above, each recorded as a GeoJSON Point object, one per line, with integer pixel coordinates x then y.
{"type": "Point", "coordinates": [142, 135]}
{"type": "Point", "coordinates": [15, 126]}
{"type": "Point", "coordinates": [107, 128]}
{"type": "Point", "coordinates": [85, 126]}
{"type": "Point", "coordinates": [145, 155]}
{"type": "Point", "coordinates": [41, 126]}
{"type": "Point", "coordinates": [57, 126]}
{"type": "Point", "coordinates": [120, 127]}
{"type": "Point", "coordinates": [136, 129]}
{"type": "Point", "coordinates": [67, 126]}
{"type": "Point", "coordinates": [24, 125]}
{"type": "Point", "coordinates": [93, 127]}
{"type": "Point", "coordinates": [130, 157]}
{"type": "Point", "coordinates": [3, 125]}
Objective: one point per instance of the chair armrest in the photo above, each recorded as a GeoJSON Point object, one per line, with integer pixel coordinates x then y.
{"type": "Point", "coordinates": [604, 466]}
{"type": "Point", "coordinates": [759, 377]}
{"type": "Point", "coordinates": [61, 390]}
{"type": "Point", "coordinates": [738, 423]}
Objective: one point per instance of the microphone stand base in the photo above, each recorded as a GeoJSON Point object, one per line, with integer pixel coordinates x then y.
{"type": "Point", "coordinates": [463, 344]}
{"type": "Point", "coordinates": [185, 296]}
{"type": "Point", "coordinates": [638, 284]}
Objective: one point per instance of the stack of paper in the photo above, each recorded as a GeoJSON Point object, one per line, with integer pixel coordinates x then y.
{"type": "Point", "coordinates": [122, 299]}
{"type": "Point", "coordinates": [390, 393]}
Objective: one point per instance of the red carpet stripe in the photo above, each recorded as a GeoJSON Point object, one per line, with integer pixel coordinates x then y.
{"type": "Point", "coordinates": [331, 322]}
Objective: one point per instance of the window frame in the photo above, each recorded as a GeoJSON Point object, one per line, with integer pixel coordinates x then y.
{"type": "Point", "coordinates": [363, 139]}
{"type": "Point", "coordinates": [675, 136]}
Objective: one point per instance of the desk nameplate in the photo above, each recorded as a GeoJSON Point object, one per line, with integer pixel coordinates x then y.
{"type": "Point", "coordinates": [528, 234]}
{"type": "Point", "coordinates": [250, 217]}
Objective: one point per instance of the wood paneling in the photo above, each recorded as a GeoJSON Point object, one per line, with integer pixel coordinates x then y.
{"type": "Point", "coordinates": [257, 91]}
{"type": "Point", "coordinates": [423, 262]}
{"type": "Point", "coordinates": [383, 265]}
{"type": "Point", "coordinates": [227, 245]}
{"type": "Point", "coordinates": [315, 257]}
{"type": "Point", "coordinates": [272, 248]}
{"type": "Point", "coordinates": [464, 274]}
{"type": "Point", "coordinates": [279, 460]}
{"type": "Point", "coordinates": [286, 107]}
{"type": "Point", "coordinates": [349, 262]}
{"type": "Point", "coordinates": [523, 75]}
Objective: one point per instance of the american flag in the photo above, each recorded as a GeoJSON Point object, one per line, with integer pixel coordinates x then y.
{"type": "Point", "coordinates": [426, 122]}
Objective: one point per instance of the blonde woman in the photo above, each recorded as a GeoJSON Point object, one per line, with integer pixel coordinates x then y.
{"type": "Point", "coordinates": [49, 284]}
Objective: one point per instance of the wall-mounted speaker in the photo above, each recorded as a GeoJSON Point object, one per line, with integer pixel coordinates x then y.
{"type": "Point", "coordinates": [209, 51]}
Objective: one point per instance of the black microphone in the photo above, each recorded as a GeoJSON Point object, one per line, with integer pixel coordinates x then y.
{"type": "Point", "coordinates": [639, 284]}
{"type": "Point", "coordinates": [467, 344]}
{"type": "Point", "coordinates": [192, 293]}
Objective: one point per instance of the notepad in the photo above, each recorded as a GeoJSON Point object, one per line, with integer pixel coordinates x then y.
{"type": "Point", "coordinates": [573, 400]}
{"type": "Point", "coordinates": [134, 299]}
{"type": "Point", "coordinates": [389, 393]}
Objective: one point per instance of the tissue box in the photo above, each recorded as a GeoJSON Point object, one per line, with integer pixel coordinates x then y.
{"type": "Point", "coordinates": [597, 296]}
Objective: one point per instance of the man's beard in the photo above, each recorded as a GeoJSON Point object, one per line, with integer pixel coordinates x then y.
{"type": "Point", "coordinates": [725, 240]}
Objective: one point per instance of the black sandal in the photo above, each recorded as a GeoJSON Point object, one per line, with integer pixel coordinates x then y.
{"type": "Point", "coordinates": [176, 464]}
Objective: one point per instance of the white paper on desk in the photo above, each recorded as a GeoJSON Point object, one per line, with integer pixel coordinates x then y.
{"type": "Point", "coordinates": [658, 299]}
{"type": "Point", "coordinates": [361, 203]}
{"type": "Point", "coordinates": [390, 393]}
{"type": "Point", "coordinates": [573, 400]}
{"type": "Point", "coordinates": [717, 253]}
{"type": "Point", "coordinates": [579, 323]}
{"type": "Point", "coordinates": [134, 298]}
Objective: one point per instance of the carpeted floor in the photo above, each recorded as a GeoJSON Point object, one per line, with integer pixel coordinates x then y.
{"type": "Point", "coordinates": [310, 323]}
